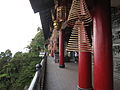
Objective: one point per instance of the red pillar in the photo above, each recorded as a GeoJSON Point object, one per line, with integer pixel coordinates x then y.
{"type": "Point", "coordinates": [84, 71]}
{"type": "Point", "coordinates": [103, 60]}
{"type": "Point", "coordinates": [52, 53]}
{"type": "Point", "coordinates": [84, 63]}
{"type": "Point", "coordinates": [61, 49]}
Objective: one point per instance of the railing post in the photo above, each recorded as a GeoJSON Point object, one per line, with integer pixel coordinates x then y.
{"type": "Point", "coordinates": [38, 80]}
{"type": "Point", "coordinates": [38, 68]}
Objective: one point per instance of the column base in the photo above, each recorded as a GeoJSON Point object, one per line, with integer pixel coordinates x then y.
{"type": "Point", "coordinates": [84, 88]}
{"type": "Point", "coordinates": [61, 66]}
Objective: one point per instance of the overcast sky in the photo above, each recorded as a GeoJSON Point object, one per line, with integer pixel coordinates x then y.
{"type": "Point", "coordinates": [18, 24]}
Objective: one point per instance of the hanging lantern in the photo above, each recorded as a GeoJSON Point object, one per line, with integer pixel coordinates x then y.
{"type": "Point", "coordinates": [61, 13]}
{"type": "Point", "coordinates": [53, 39]}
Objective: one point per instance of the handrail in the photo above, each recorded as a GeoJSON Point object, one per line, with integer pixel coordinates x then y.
{"type": "Point", "coordinates": [33, 81]}
{"type": "Point", "coordinates": [38, 79]}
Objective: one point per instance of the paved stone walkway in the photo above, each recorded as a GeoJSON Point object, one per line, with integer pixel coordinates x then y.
{"type": "Point", "coordinates": [65, 78]}
{"type": "Point", "coordinates": [61, 78]}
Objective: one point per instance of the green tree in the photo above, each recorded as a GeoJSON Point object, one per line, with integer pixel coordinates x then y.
{"type": "Point", "coordinates": [5, 57]}
{"type": "Point", "coordinates": [37, 43]}
{"type": "Point", "coordinates": [16, 72]}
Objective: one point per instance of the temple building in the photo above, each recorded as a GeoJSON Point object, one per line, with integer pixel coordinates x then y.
{"type": "Point", "coordinates": [87, 32]}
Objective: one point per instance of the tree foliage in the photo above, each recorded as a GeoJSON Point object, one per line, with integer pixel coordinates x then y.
{"type": "Point", "coordinates": [17, 72]}
{"type": "Point", "coordinates": [37, 43]}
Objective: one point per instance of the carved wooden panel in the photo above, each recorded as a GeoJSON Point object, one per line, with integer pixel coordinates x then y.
{"type": "Point", "coordinates": [116, 37]}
